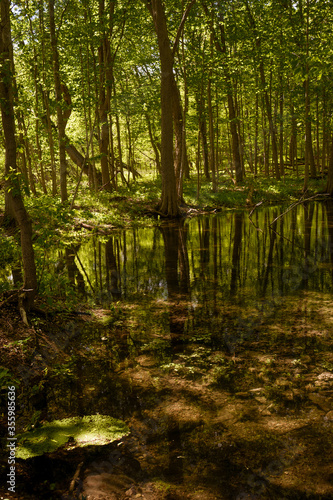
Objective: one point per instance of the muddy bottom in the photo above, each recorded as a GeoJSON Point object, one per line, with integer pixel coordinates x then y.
{"type": "Point", "coordinates": [209, 419]}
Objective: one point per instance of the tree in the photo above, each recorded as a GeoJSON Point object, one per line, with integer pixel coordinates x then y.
{"type": "Point", "coordinates": [12, 178]}
{"type": "Point", "coordinates": [221, 47]}
{"type": "Point", "coordinates": [60, 105]}
{"type": "Point", "coordinates": [170, 107]}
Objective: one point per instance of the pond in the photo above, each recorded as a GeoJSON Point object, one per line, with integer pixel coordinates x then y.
{"type": "Point", "coordinates": [214, 344]}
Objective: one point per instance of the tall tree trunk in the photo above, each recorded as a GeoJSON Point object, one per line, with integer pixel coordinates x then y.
{"type": "Point", "coordinates": [293, 138]}
{"type": "Point", "coordinates": [272, 128]}
{"type": "Point", "coordinates": [267, 100]}
{"type": "Point", "coordinates": [329, 185]}
{"type": "Point", "coordinates": [105, 79]}
{"type": "Point", "coordinates": [211, 136]}
{"type": "Point", "coordinates": [281, 102]}
{"type": "Point", "coordinates": [12, 184]}
{"type": "Point", "coordinates": [45, 99]}
{"type": "Point", "coordinates": [169, 200]}
{"type": "Point", "coordinates": [60, 105]}
{"type": "Point", "coordinates": [220, 44]}
{"type": "Point", "coordinates": [309, 157]}
{"type": "Point", "coordinates": [171, 186]}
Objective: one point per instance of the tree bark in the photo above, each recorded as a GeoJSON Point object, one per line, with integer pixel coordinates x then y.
{"type": "Point", "coordinates": [266, 97]}
{"type": "Point", "coordinates": [12, 184]}
{"type": "Point", "coordinates": [329, 185]}
{"type": "Point", "coordinates": [211, 136]}
{"type": "Point", "coordinates": [105, 82]}
{"type": "Point", "coordinates": [169, 205]}
{"type": "Point", "coordinates": [220, 44]}
{"type": "Point", "coordinates": [60, 105]}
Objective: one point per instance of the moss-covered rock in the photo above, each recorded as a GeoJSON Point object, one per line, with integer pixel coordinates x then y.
{"type": "Point", "coordinates": [78, 431]}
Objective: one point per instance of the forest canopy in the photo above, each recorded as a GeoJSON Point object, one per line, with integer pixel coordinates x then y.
{"type": "Point", "coordinates": [114, 90]}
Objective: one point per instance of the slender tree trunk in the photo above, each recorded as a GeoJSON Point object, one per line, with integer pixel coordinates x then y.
{"type": "Point", "coordinates": [324, 138]}
{"type": "Point", "coordinates": [233, 118]}
{"type": "Point", "coordinates": [203, 135]}
{"type": "Point", "coordinates": [46, 105]}
{"type": "Point", "coordinates": [270, 121]}
{"type": "Point", "coordinates": [180, 157]}
{"type": "Point", "coordinates": [293, 139]}
{"type": "Point", "coordinates": [12, 184]}
{"type": "Point", "coordinates": [329, 185]}
{"type": "Point", "coordinates": [266, 96]}
{"type": "Point", "coordinates": [105, 83]}
{"type": "Point", "coordinates": [256, 130]}
{"type": "Point", "coordinates": [153, 143]}
{"type": "Point", "coordinates": [281, 143]}
{"type": "Point", "coordinates": [203, 131]}
{"type": "Point", "coordinates": [185, 164]}
{"type": "Point", "coordinates": [211, 136]}
{"type": "Point", "coordinates": [28, 148]}
{"type": "Point", "coordinates": [60, 117]}
{"type": "Point", "coordinates": [309, 157]}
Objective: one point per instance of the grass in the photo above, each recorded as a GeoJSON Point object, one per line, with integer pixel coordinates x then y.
{"type": "Point", "coordinates": [264, 189]}
{"type": "Point", "coordinates": [133, 204]}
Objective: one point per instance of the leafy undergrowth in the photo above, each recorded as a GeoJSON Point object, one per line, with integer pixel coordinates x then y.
{"type": "Point", "coordinates": [135, 204]}
{"type": "Point", "coordinates": [253, 190]}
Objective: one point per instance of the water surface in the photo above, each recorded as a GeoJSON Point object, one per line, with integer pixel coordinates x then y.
{"type": "Point", "coordinates": [215, 344]}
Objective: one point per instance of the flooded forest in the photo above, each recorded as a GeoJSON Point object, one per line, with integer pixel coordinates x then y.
{"type": "Point", "coordinates": [166, 250]}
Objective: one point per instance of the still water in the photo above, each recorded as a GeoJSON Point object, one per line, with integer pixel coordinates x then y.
{"type": "Point", "coordinates": [215, 340]}
{"type": "Point", "coordinates": [229, 256]}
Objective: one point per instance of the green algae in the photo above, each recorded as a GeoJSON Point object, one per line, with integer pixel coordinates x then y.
{"type": "Point", "coordinates": [75, 431]}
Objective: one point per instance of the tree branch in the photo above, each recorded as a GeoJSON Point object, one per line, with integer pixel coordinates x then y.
{"type": "Point", "coordinates": [181, 27]}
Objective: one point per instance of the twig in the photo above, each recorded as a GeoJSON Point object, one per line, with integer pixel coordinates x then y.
{"type": "Point", "coordinates": [301, 200]}
{"type": "Point", "coordinates": [250, 215]}
{"type": "Point", "coordinates": [75, 477]}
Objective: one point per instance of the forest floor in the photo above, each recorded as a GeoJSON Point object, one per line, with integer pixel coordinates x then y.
{"type": "Point", "coordinates": [255, 423]}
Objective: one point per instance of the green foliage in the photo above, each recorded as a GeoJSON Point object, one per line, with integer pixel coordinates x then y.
{"type": "Point", "coordinates": [7, 378]}
{"type": "Point", "coordinates": [9, 260]}
{"type": "Point", "coordinates": [223, 375]}
{"type": "Point", "coordinates": [16, 182]}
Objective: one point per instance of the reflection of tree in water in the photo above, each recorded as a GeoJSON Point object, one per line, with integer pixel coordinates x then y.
{"type": "Point", "coordinates": [177, 276]}
{"type": "Point", "coordinates": [268, 271]}
{"type": "Point", "coordinates": [175, 471]}
{"type": "Point", "coordinates": [178, 284]}
{"type": "Point", "coordinates": [112, 274]}
{"type": "Point", "coordinates": [308, 217]}
{"type": "Point", "coordinates": [236, 252]}
{"type": "Point", "coordinates": [329, 211]}
{"type": "Point", "coordinates": [74, 274]}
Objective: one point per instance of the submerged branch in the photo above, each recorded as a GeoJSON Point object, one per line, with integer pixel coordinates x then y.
{"type": "Point", "coordinates": [301, 200]}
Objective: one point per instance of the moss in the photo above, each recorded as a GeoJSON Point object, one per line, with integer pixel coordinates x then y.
{"type": "Point", "coordinates": [78, 431]}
